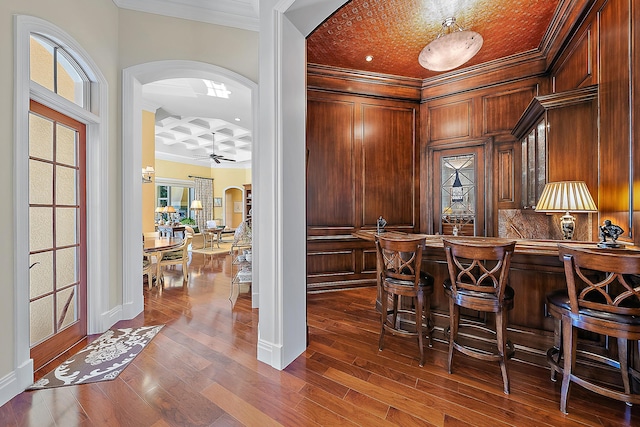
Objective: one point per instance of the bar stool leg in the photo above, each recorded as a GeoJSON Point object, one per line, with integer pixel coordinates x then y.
{"type": "Point", "coordinates": [383, 316]}
{"type": "Point", "coordinates": [570, 337]}
{"type": "Point", "coordinates": [454, 316]}
{"type": "Point", "coordinates": [623, 358]}
{"type": "Point", "coordinates": [419, 307]}
{"type": "Point", "coordinates": [501, 336]}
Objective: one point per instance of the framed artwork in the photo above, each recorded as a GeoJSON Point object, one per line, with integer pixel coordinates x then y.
{"type": "Point", "coordinates": [237, 207]}
{"type": "Point", "coordinates": [217, 202]}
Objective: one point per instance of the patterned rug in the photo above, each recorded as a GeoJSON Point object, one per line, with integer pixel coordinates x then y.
{"type": "Point", "coordinates": [101, 360]}
{"type": "Point", "coordinates": [223, 249]}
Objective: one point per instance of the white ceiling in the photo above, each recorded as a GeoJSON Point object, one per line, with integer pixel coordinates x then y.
{"type": "Point", "coordinates": [191, 125]}
{"type": "Point", "coordinates": [186, 118]}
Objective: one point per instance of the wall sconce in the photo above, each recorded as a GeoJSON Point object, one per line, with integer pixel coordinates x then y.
{"type": "Point", "coordinates": [566, 196]}
{"type": "Point", "coordinates": [147, 173]}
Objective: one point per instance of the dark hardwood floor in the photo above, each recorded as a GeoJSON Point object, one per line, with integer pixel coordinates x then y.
{"type": "Point", "coordinates": [201, 370]}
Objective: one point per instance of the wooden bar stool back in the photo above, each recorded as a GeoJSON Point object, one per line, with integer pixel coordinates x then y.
{"type": "Point", "coordinates": [400, 276]}
{"type": "Point", "coordinates": [603, 290]}
{"type": "Point", "coordinates": [479, 280]}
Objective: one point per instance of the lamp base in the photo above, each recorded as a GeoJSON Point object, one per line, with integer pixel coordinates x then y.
{"type": "Point", "coordinates": [568, 225]}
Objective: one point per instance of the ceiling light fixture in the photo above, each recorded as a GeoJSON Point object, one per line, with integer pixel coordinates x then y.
{"type": "Point", "coordinates": [453, 47]}
{"type": "Point", "coordinates": [368, 58]}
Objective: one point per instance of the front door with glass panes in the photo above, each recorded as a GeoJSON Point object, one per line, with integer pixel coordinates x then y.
{"type": "Point", "coordinates": [57, 238]}
{"type": "Point", "coordinates": [459, 192]}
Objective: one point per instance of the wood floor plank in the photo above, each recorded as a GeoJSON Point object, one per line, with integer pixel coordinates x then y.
{"type": "Point", "coordinates": [361, 411]}
{"type": "Point", "coordinates": [237, 407]}
{"type": "Point", "coordinates": [201, 369]}
{"type": "Point", "coordinates": [391, 397]}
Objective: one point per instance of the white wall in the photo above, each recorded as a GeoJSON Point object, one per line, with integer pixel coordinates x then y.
{"type": "Point", "coordinates": [114, 39]}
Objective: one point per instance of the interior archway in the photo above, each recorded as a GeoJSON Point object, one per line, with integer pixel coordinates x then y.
{"type": "Point", "coordinates": [133, 79]}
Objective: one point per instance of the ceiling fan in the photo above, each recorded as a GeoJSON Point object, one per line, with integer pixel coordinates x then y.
{"type": "Point", "coordinates": [216, 157]}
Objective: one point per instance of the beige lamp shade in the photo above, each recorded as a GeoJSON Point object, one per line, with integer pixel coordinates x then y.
{"type": "Point", "coordinates": [566, 196]}
{"type": "Point", "coordinates": [169, 209]}
{"type": "Point", "coordinates": [196, 205]}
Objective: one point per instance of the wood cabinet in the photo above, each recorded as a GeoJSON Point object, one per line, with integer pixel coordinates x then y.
{"type": "Point", "coordinates": [559, 141]}
{"type": "Point", "coordinates": [248, 205]}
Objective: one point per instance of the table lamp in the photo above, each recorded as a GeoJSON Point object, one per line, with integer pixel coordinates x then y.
{"type": "Point", "coordinates": [169, 210]}
{"type": "Point", "coordinates": [566, 196]}
{"type": "Point", "coordinates": [159, 211]}
{"type": "Point", "coordinates": [196, 206]}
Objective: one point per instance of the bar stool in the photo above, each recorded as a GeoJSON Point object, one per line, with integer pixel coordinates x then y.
{"type": "Point", "coordinates": [603, 297]}
{"type": "Point", "coordinates": [399, 261]}
{"type": "Point", "coordinates": [479, 280]}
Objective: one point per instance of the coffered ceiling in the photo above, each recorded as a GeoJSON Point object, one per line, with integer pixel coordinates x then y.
{"type": "Point", "coordinates": [393, 32]}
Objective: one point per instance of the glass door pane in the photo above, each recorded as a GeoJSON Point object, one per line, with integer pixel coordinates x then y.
{"type": "Point", "coordinates": [458, 195]}
{"type": "Point", "coordinates": [54, 218]}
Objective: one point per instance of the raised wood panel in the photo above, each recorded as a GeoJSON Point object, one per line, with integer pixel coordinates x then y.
{"type": "Point", "coordinates": [506, 175]}
{"type": "Point", "coordinates": [330, 262]}
{"type": "Point", "coordinates": [572, 144]}
{"type": "Point", "coordinates": [576, 68]}
{"type": "Point", "coordinates": [389, 159]}
{"type": "Point", "coordinates": [330, 174]}
{"type": "Point", "coordinates": [615, 149]}
{"type": "Point", "coordinates": [635, 94]}
{"type": "Point", "coordinates": [369, 262]}
{"type": "Point", "coordinates": [501, 111]}
{"type": "Point", "coordinates": [450, 121]}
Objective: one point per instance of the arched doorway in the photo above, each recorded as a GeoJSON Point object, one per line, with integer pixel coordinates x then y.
{"type": "Point", "coordinates": [232, 206]}
{"type": "Point", "coordinates": [133, 79]}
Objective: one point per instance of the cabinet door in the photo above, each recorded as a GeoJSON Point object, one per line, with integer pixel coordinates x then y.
{"type": "Point", "coordinates": [534, 165]}
{"type": "Point", "coordinates": [459, 191]}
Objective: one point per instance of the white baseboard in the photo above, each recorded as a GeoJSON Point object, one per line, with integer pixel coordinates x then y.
{"type": "Point", "coordinates": [15, 382]}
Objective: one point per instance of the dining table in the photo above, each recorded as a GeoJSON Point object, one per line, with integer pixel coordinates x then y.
{"type": "Point", "coordinates": [153, 245]}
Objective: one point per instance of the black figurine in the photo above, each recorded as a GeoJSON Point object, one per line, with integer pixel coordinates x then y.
{"type": "Point", "coordinates": [612, 231]}
{"type": "Point", "coordinates": [381, 224]}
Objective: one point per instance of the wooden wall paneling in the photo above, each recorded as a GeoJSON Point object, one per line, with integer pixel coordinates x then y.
{"type": "Point", "coordinates": [615, 114]}
{"type": "Point", "coordinates": [339, 262]}
{"type": "Point", "coordinates": [331, 177]}
{"type": "Point", "coordinates": [572, 144]}
{"type": "Point", "coordinates": [450, 121]}
{"type": "Point", "coordinates": [501, 110]}
{"type": "Point", "coordinates": [635, 96]}
{"type": "Point", "coordinates": [356, 82]}
{"type": "Point", "coordinates": [514, 68]}
{"type": "Point", "coordinates": [577, 66]}
{"type": "Point", "coordinates": [507, 173]}
{"type": "Point", "coordinates": [389, 165]}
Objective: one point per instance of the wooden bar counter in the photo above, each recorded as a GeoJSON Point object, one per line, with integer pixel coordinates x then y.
{"type": "Point", "coordinates": [535, 271]}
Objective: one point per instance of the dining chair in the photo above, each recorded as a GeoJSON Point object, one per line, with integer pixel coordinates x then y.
{"type": "Point", "coordinates": [179, 256]}
{"type": "Point", "coordinates": [399, 263]}
{"type": "Point", "coordinates": [602, 297]}
{"type": "Point", "coordinates": [147, 268]}
{"type": "Point", "coordinates": [479, 280]}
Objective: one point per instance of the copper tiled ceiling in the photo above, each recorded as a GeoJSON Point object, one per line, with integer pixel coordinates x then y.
{"type": "Point", "coordinates": [395, 31]}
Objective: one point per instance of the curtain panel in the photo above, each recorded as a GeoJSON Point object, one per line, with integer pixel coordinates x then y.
{"type": "Point", "coordinates": [203, 191]}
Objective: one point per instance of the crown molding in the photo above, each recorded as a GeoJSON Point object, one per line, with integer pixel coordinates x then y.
{"type": "Point", "coordinates": [243, 14]}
